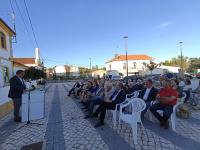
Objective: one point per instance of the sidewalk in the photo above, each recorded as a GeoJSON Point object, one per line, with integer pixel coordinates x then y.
{"type": "Point", "coordinates": [64, 127]}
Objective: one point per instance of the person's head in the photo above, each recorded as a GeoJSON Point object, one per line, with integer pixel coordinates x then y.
{"type": "Point", "coordinates": [20, 73]}
{"type": "Point", "coordinates": [108, 86]}
{"type": "Point", "coordinates": [149, 83]}
{"type": "Point", "coordinates": [166, 83]}
{"type": "Point", "coordinates": [173, 84]}
{"type": "Point", "coordinates": [95, 83]}
{"type": "Point", "coordinates": [89, 83]}
{"type": "Point", "coordinates": [119, 86]}
{"type": "Point", "coordinates": [130, 84]}
{"type": "Point", "coordinates": [187, 81]}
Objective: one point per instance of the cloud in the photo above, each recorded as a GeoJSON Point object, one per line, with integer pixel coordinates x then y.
{"type": "Point", "coordinates": [165, 24]}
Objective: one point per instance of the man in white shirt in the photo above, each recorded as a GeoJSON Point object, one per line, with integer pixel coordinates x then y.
{"type": "Point", "coordinates": [148, 94]}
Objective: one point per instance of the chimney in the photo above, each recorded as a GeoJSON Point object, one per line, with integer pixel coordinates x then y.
{"type": "Point", "coordinates": [37, 58]}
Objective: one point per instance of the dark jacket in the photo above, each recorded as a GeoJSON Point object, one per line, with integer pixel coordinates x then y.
{"type": "Point", "coordinates": [120, 97]}
{"type": "Point", "coordinates": [152, 94]}
{"type": "Point", "coordinates": [16, 88]}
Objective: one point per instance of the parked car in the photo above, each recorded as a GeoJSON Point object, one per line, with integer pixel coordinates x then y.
{"type": "Point", "coordinates": [133, 78]}
{"type": "Point", "coordinates": [187, 75]}
{"type": "Point", "coordinates": [198, 75]}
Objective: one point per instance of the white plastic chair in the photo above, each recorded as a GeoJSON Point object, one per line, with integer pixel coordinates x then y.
{"type": "Point", "coordinates": [173, 115]}
{"type": "Point", "coordinates": [137, 106]}
{"type": "Point", "coordinates": [114, 112]}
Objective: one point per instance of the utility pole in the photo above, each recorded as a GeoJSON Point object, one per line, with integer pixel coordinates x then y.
{"type": "Point", "coordinates": [180, 43]}
{"type": "Point", "coordinates": [126, 49]}
{"type": "Point", "coordinates": [90, 66]}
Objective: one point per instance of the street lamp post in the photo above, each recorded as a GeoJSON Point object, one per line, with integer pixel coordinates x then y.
{"type": "Point", "coordinates": [126, 48]}
{"type": "Point", "coordinates": [180, 43]}
{"type": "Point", "coordinates": [90, 67]}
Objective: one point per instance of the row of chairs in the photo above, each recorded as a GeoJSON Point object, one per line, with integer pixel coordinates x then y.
{"type": "Point", "coordinates": [135, 106]}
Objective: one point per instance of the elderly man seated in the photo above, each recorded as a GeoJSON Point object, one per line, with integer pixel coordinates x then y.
{"type": "Point", "coordinates": [167, 98]}
{"type": "Point", "coordinates": [103, 93]}
{"type": "Point", "coordinates": [148, 94]}
{"type": "Point", "coordinates": [117, 97]}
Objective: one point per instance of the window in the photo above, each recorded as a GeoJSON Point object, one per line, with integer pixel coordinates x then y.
{"type": "Point", "coordinates": [2, 40]}
{"type": "Point", "coordinates": [5, 74]}
{"type": "Point", "coordinates": [134, 65]}
{"type": "Point", "coordinates": [124, 65]}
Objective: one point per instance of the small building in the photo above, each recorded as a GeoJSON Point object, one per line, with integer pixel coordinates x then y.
{"type": "Point", "coordinates": [6, 66]}
{"type": "Point", "coordinates": [66, 71]}
{"type": "Point", "coordinates": [19, 66]}
{"type": "Point", "coordinates": [60, 71]}
{"type": "Point", "coordinates": [74, 71]}
{"type": "Point", "coordinates": [98, 73]}
{"type": "Point", "coordinates": [135, 63]}
{"type": "Point", "coordinates": [30, 62]}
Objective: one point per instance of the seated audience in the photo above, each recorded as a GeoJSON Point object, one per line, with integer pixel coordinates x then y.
{"type": "Point", "coordinates": [167, 98]}
{"type": "Point", "coordinates": [117, 97]}
{"type": "Point", "coordinates": [102, 94]}
{"type": "Point", "coordinates": [76, 85]}
{"type": "Point", "coordinates": [187, 89]}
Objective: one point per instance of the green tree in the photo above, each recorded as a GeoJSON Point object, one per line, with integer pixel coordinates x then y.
{"type": "Point", "coordinates": [151, 66]}
{"type": "Point", "coordinates": [33, 73]}
{"type": "Point", "coordinates": [67, 68]}
{"type": "Point", "coordinates": [84, 72]}
{"type": "Point", "coordinates": [176, 61]}
{"type": "Point", "coordinates": [194, 64]}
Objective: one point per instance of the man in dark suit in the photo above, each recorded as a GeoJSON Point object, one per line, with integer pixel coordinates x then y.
{"type": "Point", "coordinates": [148, 94]}
{"type": "Point", "coordinates": [76, 85]}
{"type": "Point", "coordinates": [117, 97]}
{"type": "Point", "coordinates": [17, 87]}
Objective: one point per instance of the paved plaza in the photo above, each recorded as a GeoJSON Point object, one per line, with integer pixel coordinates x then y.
{"type": "Point", "coordinates": [64, 127]}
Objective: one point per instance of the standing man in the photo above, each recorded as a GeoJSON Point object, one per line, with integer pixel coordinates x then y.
{"type": "Point", "coordinates": [17, 87]}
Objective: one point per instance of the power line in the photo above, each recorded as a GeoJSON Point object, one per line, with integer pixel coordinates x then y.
{"type": "Point", "coordinates": [23, 20]}
{"type": "Point", "coordinates": [31, 23]}
{"type": "Point", "coordinates": [13, 20]}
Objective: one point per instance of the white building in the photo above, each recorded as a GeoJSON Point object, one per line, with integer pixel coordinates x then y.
{"type": "Point", "coordinates": [6, 66]}
{"type": "Point", "coordinates": [98, 73]}
{"type": "Point", "coordinates": [6, 54]}
{"type": "Point", "coordinates": [74, 71]}
{"type": "Point", "coordinates": [135, 63]}
{"type": "Point", "coordinates": [60, 71]}
{"type": "Point", "coordinates": [63, 71]}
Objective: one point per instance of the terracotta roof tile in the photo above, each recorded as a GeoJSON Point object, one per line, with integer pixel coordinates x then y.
{"type": "Point", "coordinates": [24, 61]}
{"type": "Point", "coordinates": [20, 64]}
{"type": "Point", "coordinates": [130, 57]}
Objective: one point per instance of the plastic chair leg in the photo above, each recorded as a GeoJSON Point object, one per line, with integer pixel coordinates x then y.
{"type": "Point", "coordinates": [134, 130]}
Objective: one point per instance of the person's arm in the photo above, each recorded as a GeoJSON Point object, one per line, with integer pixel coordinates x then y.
{"type": "Point", "coordinates": [166, 99]}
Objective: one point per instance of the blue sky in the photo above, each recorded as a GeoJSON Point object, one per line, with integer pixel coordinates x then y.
{"type": "Point", "coordinates": [71, 31]}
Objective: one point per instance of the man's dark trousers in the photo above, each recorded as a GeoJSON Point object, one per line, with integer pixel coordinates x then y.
{"type": "Point", "coordinates": [102, 109]}
{"type": "Point", "coordinates": [167, 111]}
{"type": "Point", "coordinates": [95, 101]}
{"type": "Point", "coordinates": [17, 104]}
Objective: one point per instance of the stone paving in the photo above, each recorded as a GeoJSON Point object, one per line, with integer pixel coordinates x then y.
{"type": "Point", "coordinates": [64, 127]}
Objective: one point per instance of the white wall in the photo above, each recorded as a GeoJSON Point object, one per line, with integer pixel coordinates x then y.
{"type": "Point", "coordinates": [60, 70]}
{"type": "Point", "coordinates": [4, 94]}
{"type": "Point", "coordinates": [5, 63]}
{"type": "Point", "coordinates": [4, 58]}
{"type": "Point", "coordinates": [118, 65]}
{"type": "Point", "coordinates": [170, 68]}
{"type": "Point", "coordinates": [17, 68]}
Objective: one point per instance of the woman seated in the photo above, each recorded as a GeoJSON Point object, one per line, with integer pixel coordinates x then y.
{"type": "Point", "coordinates": [167, 98]}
